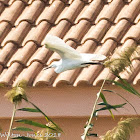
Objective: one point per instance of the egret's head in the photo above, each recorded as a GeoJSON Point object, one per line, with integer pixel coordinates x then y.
{"type": "Point", "coordinates": [53, 64]}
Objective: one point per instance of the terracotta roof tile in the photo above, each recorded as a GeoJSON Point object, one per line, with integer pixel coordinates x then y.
{"type": "Point", "coordinates": [117, 31]}
{"type": "Point", "coordinates": [77, 32]}
{"type": "Point", "coordinates": [64, 1]}
{"type": "Point", "coordinates": [31, 12]}
{"type": "Point", "coordinates": [17, 34]}
{"type": "Point", "coordinates": [130, 11]}
{"type": "Point", "coordinates": [88, 75]}
{"type": "Point", "coordinates": [133, 33]}
{"type": "Point", "coordinates": [137, 19]}
{"type": "Point", "coordinates": [41, 55]}
{"type": "Point", "coordinates": [91, 26]}
{"type": "Point", "coordinates": [97, 32]}
{"type": "Point", "coordinates": [61, 29]}
{"type": "Point", "coordinates": [72, 12]}
{"type": "Point", "coordinates": [10, 13]}
{"type": "Point", "coordinates": [6, 53]}
{"type": "Point", "coordinates": [110, 11]}
{"type": "Point", "coordinates": [4, 29]}
{"type": "Point", "coordinates": [105, 73]}
{"type": "Point", "coordinates": [10, 2]}
{"type": "Point", "coordinates": [37, 34]}
{"type": "Point", "coordinates": [2, 6]}
{"type": "Point", "coordinates": [29, 73]}
{"type": "Point", "coordinates": [52, 12]}
{"type": "Point", "coordinates": [137, 79]}
{"type": "Point", "coordinates": [1, 68]}
{"type": "Point", "coordinates": [129, 76]}
{"type": "Point", "coordinates": [90, 12]}
{"type": "Point", "coordinates": [45, 78]}
{"type": "Point", "coordinates": [4, 1]}
{"type": "Point", "coordinates": [22, 55]}
{"type": "Point", "coordinates": [10, 74]}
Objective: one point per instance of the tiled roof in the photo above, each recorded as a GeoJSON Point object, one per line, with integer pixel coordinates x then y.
{"type": "Point", "coordinates": [91, 26]}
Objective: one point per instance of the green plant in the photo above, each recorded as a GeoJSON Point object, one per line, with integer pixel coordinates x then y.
{"type": "Point", "coordinates": [16, 95]}
{"type": "Point", "coordinates": [116, 66]}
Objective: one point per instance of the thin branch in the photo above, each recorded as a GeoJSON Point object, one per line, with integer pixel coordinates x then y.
{"type": "Point", "coordinates": [93, 110]}
{"type": "Point", "coordinates": [11, 123]}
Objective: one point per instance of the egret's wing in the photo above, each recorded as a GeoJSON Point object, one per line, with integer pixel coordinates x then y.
{"type": "Point", "coordinates": [56, 44]}
{"type": "Point", "coordinates": [93, 57]}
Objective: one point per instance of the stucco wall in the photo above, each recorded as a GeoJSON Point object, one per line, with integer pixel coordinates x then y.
{"type": "Point", "coordinates": [73, 127]}
{"type": "Point", "coordinates": [71, 106]}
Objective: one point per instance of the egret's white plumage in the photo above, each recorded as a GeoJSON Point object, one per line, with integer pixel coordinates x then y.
{"type": "Point", "coordinates": [70, 58]}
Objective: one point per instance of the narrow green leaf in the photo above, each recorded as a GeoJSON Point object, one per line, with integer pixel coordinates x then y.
{"type": "Point", "coordinates": [47, 118]}
{"type": "Point", "coordinates": [108, 106]}
{"type": "Point", "coordinates": [129, 86]}
{"type": "Point", "coordinates": [33, 123]}
{"type": "Point", "coordinates": [108, 90]}
{"type": "Point", "coordinates": [112, 114]}
{"type": "Point", "coordinates": [123, 86]}
{"type": "Point", "coordinates": [105, 101]}
{"type": "Point", "coordinates": [104, 108]}
{"type": "Point", "coordinates": [126, 86]}
{"type": "Point", "coordinates": [22, 129]}
{"type": "Point", "coordinates": [23, 138]}
{"type": "Point", "coordinates": [102, 103]}
{"type": "Point", "coordinates": [29, 109]}
{"type": "Point", "coordinates": [103, 98]}
{"type": "Point", "coordinates": [122, 98]}
{"type": "Point", "coordinates": [119, 105]}
{"type": "Point", "coordinates": [92, 134]}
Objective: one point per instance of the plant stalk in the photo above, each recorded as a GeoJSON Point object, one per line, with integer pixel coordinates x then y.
{"type": "Point", "coordinates": [11, 123]}
{"type": "Point", "coordinates": [93, 110]}
{"type": "Point", "coordinates": [94, 107]}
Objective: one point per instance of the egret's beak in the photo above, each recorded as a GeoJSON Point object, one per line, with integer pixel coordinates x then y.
{"type": "Point", "coordinates": [47, 67]}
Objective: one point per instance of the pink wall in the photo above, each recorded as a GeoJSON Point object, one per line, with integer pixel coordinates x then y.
{"type": "Point", "coordinates": [73, 127]}
{"type": "Point", "coordinates": [71, 106]}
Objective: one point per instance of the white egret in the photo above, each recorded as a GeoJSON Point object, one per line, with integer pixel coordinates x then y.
{"type": "Point", "coordinates": [70, 58]}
